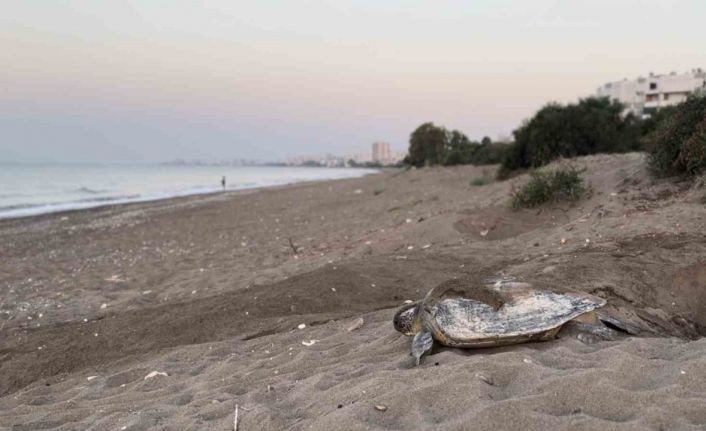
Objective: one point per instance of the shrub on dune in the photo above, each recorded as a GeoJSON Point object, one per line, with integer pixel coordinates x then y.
{"type": "Point", "coordinates": [544, 186]}
{"type": "Point", "coordinates": [677, 146]}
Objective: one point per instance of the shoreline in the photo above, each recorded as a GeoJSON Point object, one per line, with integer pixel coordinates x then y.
{"type": "Point", "coordinates": [174, 199]}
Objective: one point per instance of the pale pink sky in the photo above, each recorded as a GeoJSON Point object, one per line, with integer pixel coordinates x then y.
{"type": "Point", "coordinates": [155, 80]}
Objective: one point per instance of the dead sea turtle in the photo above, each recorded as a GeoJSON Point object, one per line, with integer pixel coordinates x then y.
{"type": "Point", "coordinates": [503, 313]}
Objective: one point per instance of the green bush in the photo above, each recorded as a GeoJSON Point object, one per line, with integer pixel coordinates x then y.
{"type": "Point", "coordinates": [677, 145]}
{"type": "Point", "coordinates": [593, 125]}
{"type": "Point", "coordinates": [549, 186]}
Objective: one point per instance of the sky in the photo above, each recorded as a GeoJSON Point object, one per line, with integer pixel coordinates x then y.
{"type": "Point", "coordinates": [154, 80]}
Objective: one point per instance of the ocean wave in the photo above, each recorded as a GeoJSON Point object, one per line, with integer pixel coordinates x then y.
{"type": "Point", "coordinates": [20, 210]}
{"type": "Point", "coordinates": [91, 191]}
{"type": "Point", "coordinates": [108, 199]}
{"type": "Point", "coordinates": [16, 211]}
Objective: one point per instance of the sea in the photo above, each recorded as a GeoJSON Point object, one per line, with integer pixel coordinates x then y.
{"type": "Point", "coordinates": [32, 189]}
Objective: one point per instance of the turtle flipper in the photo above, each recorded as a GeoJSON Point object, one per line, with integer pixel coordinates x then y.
{"type": "Point", "coordinates": [589, 333]}
{"type": "Point", "coordinates": [617, 323]}
{"type": "Point", "coordinates": [421, 344]}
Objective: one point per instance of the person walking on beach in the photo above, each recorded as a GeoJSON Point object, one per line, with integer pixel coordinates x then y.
{"type": "Point", "coordinates": [223, 183]}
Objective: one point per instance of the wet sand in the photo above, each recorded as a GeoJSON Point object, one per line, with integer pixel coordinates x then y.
{"type": "Point", "coordinates": [211, 290]}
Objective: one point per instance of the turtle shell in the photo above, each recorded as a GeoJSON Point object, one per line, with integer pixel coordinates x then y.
{"type": "Point", "coordinates": [525, 315]}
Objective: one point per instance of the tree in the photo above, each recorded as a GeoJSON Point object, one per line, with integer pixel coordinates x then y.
{"type": "Point", "coordinates": [433, 145]}
{"type": "Point", "coordinates": [427, 145]}
{"type": "Point", "coordinates": [459, 149]}
{"type": "Point", "coordinates": [593, 125]}
{"type": "Point", "coordinates": [489, 152]}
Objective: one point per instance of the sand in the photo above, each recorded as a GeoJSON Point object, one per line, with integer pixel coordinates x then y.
{"type": "Point", "coordinates": [211, 291]}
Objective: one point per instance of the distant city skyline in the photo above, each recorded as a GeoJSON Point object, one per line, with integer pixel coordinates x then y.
{"type": "Point", "coordinates": [153, 81]}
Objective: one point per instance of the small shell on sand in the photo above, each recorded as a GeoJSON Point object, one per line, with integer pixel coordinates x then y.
{"type": "Point", "coordinates": [301, 326]}
{"type": "Point", "coordinates": [357, 324]}
{"type": "Point", "coordinates": [310, 343]}
{"type": "Point", "coordinates": [380, 408]}
{"type": "Point", "coordinates": [155, 374]}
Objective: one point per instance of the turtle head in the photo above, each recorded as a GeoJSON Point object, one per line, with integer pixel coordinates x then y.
{"type": "Point", "coordinates": [407, 320]}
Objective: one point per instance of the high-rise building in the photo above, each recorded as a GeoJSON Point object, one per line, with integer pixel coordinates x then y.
{"type": "Point", "coordinates": [381, 153]}
{"type": "Point", "coordinates": [642, 96]}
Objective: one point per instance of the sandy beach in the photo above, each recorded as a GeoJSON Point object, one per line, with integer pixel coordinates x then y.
{"type": "Point", "coordinates": [167, 315]}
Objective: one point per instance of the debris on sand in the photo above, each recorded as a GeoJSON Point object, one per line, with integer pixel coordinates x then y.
{"type": "Point", "coordinates": [483, 378]}
{"type": "Point", "coordinates": [89, 378]}
{"type": "Point", "coordinates": [114, 279]}
{"type": "Point", "coordinates": [357, 324]}
{"type": "Point", "coordinates": [235, 419]}
{"type": "Point", "coordinates": [155, 374]}
{"type": "Point", "coordinates": [381, 408]}
{"type": "Point", "coordinates": [310, 343]}
{"type": "Point", "coordinates": [301, 326]}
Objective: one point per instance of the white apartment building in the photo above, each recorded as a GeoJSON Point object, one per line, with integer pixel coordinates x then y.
{"type": "Point", "coordinates": [646, 94]}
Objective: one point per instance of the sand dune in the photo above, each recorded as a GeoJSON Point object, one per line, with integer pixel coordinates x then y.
{"type": "Point", "coordinates": [210, 291]}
